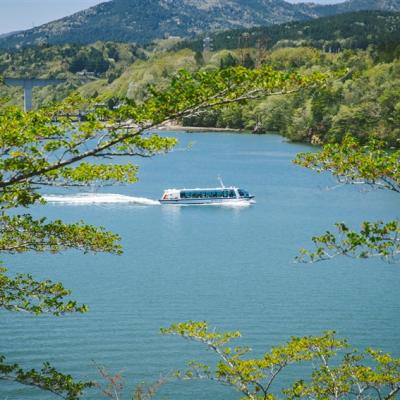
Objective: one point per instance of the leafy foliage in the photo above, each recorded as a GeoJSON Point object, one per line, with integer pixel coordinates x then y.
{"type": "Point", "coordinates": [369, 165]}
{"type": "Point", "coordinates": [374, 239]}
{"type": "Point", "coordinates": [351, 163]}
{"type": "Point", "coordinates": [24, 293]}
{"type": "Point", "coordinates": [21, 233]}
{"type": "Point", "coordinates": [91, 61]}
{"type": "Point", "coordinates": [372, 374]}
{"type": "Point", "coordinates": [35, 151]}
{"type": "Point", "coordinates": [335, 374]}
{"type": "Point", "coordinates": [363, 100]}
{"type": "Point", "coordinates": [47, 378]}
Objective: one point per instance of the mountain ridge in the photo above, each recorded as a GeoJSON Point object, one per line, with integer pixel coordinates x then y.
{"type": "Point", "coordinates": [143, 21]}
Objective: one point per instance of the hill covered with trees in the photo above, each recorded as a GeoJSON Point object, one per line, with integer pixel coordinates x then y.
{"type": "Point", "coordinates": [356, 30]}
{"type": "Point", "coordinates": [360, 50]}
{"type": "Point", "coordinates": [78, 64]}
{"type": "Point", "coordinates": [363, 99]}
{"type": "Point", "coordinates": [143, 21]}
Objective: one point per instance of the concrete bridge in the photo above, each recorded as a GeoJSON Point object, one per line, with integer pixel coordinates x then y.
{"type": "Point", "coordinates": [28, 85]}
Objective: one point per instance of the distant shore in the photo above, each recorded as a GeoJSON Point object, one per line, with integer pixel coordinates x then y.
{"type": "Point", "coordinates": [175, 127]}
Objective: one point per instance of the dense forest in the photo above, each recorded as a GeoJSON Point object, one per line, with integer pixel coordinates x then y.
{"type": "Point", "coordinates": [356, 30]}
{"type": "Point", "coordinates": [363, 100]}
{"type": "Point", "coordinates": [78, 64]}
{"type": "Point", "coordinates": [54, 60]}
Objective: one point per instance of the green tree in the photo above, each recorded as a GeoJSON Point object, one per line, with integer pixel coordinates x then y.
{"type": "Point", "coordinates": [228, 61]}
{"type": "Point", "coordinates": [198, 56]}
{"type": "Point", "coordinates": [233, 117]}
{"type": "Point", "coordinates": [90, 59]}
{"type": "Point", "coordinates": [248, 62]}
{"type": "Point", "coordinates": [35, 152]}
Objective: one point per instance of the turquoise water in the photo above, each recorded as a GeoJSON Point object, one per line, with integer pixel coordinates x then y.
{"type": "Point", "coordinates": [231, 266]}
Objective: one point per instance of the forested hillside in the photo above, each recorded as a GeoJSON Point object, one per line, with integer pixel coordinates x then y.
{"type": "Point", "coordinates": [142, 21]}
{"type": "Point", "coordinates": [356, 30]}
{"type": "Point", "coordinates": [78, 64]}
{"type": "Point", "coordinates": [363, 99]}
{"type": "Point", "coordinates": [362, 96]}
{"type": "Point", "coordinates": [360, 51]}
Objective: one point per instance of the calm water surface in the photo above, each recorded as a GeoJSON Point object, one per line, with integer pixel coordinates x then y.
{"type": "Point", "coordinates": [230, 266]}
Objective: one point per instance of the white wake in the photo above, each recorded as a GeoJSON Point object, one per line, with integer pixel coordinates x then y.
{"type": "Point", "coordinates": [99, 198]}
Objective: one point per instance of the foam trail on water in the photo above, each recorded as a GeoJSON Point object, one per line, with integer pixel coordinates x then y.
{"type": "Point", "coordinates": [99, 198]}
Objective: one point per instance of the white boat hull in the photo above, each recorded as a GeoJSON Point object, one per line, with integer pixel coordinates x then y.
{"type": "Point", "coordinates": [207, 201]}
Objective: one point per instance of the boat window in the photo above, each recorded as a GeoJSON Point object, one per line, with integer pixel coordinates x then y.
{"type": "Point", "coordinates": [212, 194]}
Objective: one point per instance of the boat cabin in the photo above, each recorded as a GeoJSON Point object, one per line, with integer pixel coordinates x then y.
{"type": "Point", "coordinates": [229, 193]}
{"type": "Point", "coordinates": [205, 195]}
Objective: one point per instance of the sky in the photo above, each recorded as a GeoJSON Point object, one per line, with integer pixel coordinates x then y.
{"type": "Point", "coordinates": [25, 14]}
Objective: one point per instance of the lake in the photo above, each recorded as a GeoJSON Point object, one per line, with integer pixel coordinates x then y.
{"type": "Point", "coordinates": [231, 266]}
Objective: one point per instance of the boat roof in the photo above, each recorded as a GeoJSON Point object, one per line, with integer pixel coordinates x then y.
{"type": "Point", "coordinates": [215, 188]}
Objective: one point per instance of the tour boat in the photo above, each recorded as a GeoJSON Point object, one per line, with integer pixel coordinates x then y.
{"type": "Point", "coordinates": [218, 195]}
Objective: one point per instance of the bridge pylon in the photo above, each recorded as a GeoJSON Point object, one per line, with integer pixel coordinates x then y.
{"type": "Point", "coordinates": [28, 84]}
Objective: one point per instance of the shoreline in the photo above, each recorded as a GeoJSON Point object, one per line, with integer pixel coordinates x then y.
{"type": "Point", "coordinates": [199, 129]}
{"type": "Point", "coordinates": [193, 129]}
